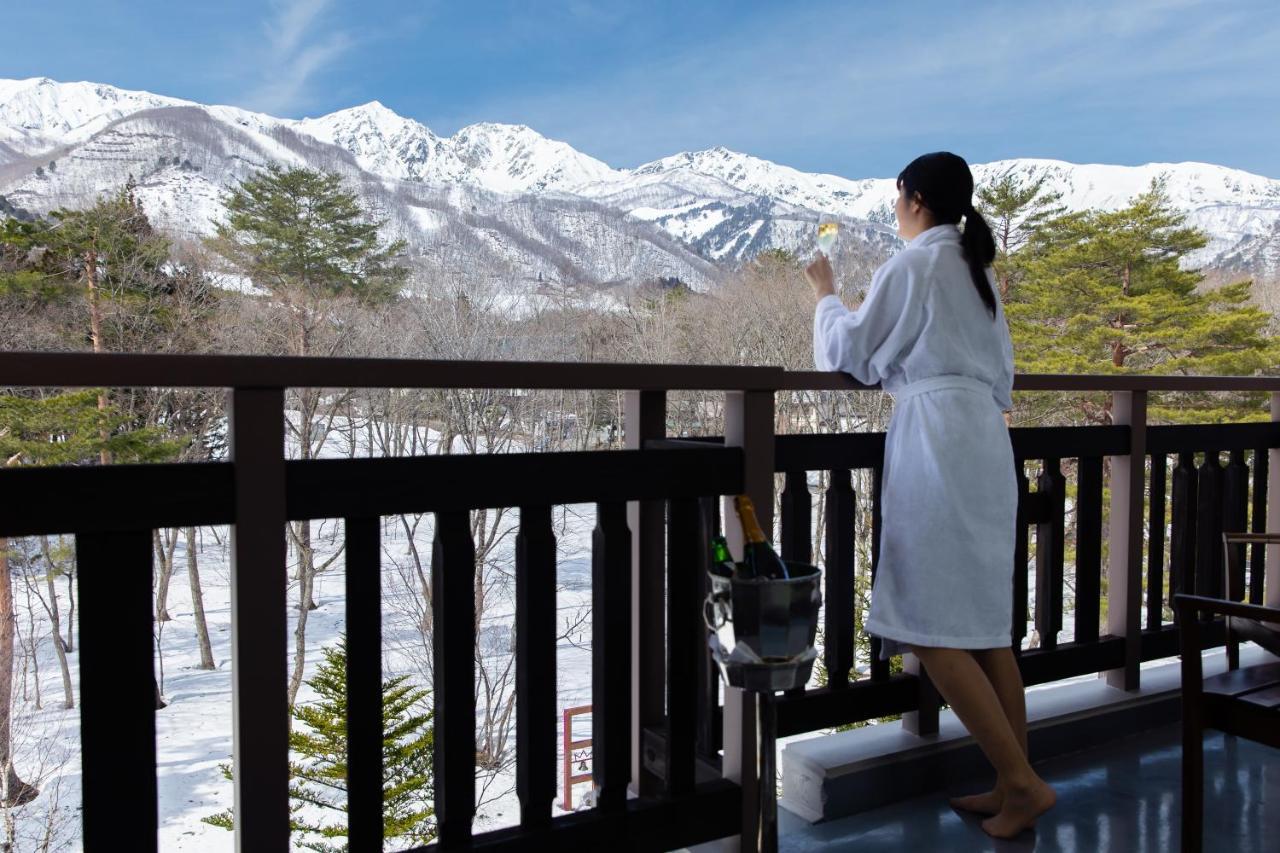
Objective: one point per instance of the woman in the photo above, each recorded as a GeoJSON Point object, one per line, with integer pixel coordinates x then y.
{"type": "Point", "coordinates": [932, 333]}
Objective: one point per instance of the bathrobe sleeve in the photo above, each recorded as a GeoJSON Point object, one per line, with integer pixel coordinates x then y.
{"type": "Point", "coordinates": [867, 342]}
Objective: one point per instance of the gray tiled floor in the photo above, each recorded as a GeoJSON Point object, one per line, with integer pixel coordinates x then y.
{"type": "Point", "coordinates": [1122, 798]}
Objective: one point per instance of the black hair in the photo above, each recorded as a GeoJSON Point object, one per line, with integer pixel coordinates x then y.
{"type": "Point", "coordinates": [945, 186]}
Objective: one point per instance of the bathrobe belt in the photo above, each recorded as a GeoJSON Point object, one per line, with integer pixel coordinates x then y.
{"type": "Point", "coordinates": [940, 383]}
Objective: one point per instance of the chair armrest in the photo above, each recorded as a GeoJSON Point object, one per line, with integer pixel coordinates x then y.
{"type": "Point", "coordinates": [1189, 606]}
{"type": "Point", "coordinates": [1262, 538]}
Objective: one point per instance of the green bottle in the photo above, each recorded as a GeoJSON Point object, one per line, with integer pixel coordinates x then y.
{"type": "Point", "coordinates": [720, 556]}
{"type": "Point", "coordinates": [720, 550]}
{"type": "Point", "coordinates": [758, 557]}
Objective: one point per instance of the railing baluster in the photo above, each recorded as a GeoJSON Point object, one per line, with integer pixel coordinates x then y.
{"type": "Point", "coordinates": [1182, 536]}
{"type": "Point", "coordinates": [1209, 526]}
{"type": "Point", "coordinates": [453, 638]}
{"type": "Point", "coordinates": [796, 521]}
{"type": "Point", "coordinates": [686, 642]}
{"type": "Point", "coordinates": [1269, 592]}
{"type": "Point", "coordinates": [1021, 548]}
{"type": "Point", "coordinates": [1088, 548]}
{"type": "Point", "coordinates": [841, 511]}
{"type": "Point", "coordinates": [117, 690]}
{"type": "Point", "coordinates": [1258, 556]}
{"type": "Point", "coordinates": [259, 622]}
{"type": "Point", "coordinates": [796, 505]}
{"type": "Point", "coordinates": [611, 652]}
{"type": "Point", "coordinates": [535, 666]}
{"type": "Point", "coordinates": [1050, 551]}
{"type": "Point", "coordinates": [1155, 543]}
{"type": "Point", "coordinates": [1235, 515]}
{"type": "Point", "coordinates": [708, 676]}
{"type": "Point", "coordinates": [364, 682]}
{"type": "Point", "coordinates": [879, 668]}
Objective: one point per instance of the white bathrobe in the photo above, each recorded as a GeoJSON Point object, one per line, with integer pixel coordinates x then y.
{"type": "Point", "coordinates": [949, 492]}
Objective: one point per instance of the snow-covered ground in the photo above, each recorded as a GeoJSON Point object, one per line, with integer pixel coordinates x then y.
{"type": "Point", "coordinates": [193, 734]}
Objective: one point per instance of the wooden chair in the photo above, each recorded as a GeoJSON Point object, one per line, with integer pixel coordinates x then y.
{"type": "Point", "coordinates": [1242, 702]}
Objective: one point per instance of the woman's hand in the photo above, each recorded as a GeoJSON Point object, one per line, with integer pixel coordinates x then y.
{"type": "Point", "coordinates": [820, 277]}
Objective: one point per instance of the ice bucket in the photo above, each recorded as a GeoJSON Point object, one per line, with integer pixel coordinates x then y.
{"type": "Point", "coordinates": [776, 618]}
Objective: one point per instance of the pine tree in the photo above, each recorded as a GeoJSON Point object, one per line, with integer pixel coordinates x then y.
{"type": "Point", "coordinates": [1015, 209]}
{"type": "Point", "coordinates": [318, 777]}
{"type": "Point", "coordinates": [301, 235]}
{"type": "Point", "coordinates": [1108, 292]}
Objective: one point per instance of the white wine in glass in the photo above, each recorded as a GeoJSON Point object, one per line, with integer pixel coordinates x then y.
{"type": "Point", "coordinates": [828, 230]}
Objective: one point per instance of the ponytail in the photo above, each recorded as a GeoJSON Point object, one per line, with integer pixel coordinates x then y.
{"type": "Point", "coordinates": [944, 184]}
{"type": "Point", "coordinates": [979, 250]}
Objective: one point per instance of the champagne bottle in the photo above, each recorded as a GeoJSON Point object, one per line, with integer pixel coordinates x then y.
{"type": "Point", "coordinates": [758, 557]}
{"type": "Point", "coordinates": [720, 551]}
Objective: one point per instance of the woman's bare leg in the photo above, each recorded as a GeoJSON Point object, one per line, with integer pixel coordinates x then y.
{"type": "Point", "coordinates": [969, 691]}
{"type": "Point", "coordinates": [1001, 669]}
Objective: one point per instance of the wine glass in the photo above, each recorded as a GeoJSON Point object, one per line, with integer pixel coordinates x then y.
{"type": "Point", "coordinates": [828, 231]}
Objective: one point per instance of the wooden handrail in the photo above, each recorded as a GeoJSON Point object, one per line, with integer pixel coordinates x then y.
{"type": "Point", "coordinates": [813, 380]}
{"type": "Point", "coordinates": [122, 370]}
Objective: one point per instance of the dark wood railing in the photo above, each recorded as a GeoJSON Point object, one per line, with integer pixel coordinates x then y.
{"type": "Point", "coordinates": [660, 727]}
{"type": "Point", "coordinates": [1204, 499]}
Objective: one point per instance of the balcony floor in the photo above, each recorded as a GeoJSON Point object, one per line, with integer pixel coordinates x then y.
{"type": "Point", "coordinates": [1124, 798]}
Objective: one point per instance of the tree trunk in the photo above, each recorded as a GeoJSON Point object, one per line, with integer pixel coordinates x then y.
{"type": "Point", "coordinates": [31, 644]}
{"type": "Point", "coordinates": [55, 619]}
{"type": "Point", "coordinates": [164, 556]}
{"type": "Point", "coordinates": [300, 633]}
{"type": "Point", "coordinates": [197, 602]}
{"type": "Point", "coordinates": [95, 335]}
{"type": "Point", "coordinates": [71, 609]}
{"type": "Point", "coordinates": [13, 791]}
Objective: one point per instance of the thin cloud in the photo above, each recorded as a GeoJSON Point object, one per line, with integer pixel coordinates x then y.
{"type": "Point", "coordinates": [297, 49]}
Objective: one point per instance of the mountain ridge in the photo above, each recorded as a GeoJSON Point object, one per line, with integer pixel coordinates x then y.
{"type": "Point", "coordinates": [721, 205]}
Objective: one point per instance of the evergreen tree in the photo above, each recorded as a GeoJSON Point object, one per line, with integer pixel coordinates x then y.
{"type": "Point", "coordinates": [301, 235]}
{"type": "Point", "coordinates": [1015, 209]}
{"type": "Point", "coordinates": [69, 429]}
{"type": "Point", "coordinates": [318, 786]}
{"type": "Point", "coordinates": [1108, 292]}
{"type": "Point", "coordinates": [103, 271]}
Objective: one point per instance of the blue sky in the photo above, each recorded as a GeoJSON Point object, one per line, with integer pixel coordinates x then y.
{"type": "Point", "coordinates": [856, 88]}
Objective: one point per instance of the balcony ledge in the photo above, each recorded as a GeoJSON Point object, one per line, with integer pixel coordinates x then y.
{"type": "Point", "coordinates": [834, 776]}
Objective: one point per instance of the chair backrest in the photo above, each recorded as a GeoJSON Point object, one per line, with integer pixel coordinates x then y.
{"type": "Point", "coordinates": [1234, 546]}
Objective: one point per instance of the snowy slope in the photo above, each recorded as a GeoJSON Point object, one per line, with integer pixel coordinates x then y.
{"type": "Point", "coordinates": [39, 113]}
{"type": "Point", "coordinates": [456, 214]}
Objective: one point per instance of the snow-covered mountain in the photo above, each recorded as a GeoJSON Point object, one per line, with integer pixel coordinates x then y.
{"type": "Point", "coordinates": [506, 203]}
{"type": "Point", "coordinates": [474, 207]}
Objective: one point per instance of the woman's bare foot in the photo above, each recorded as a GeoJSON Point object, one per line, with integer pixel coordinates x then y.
{"type": "Point", "coordinates": [988, 803]}
{"type": "Point", "coordinates": [1021, 807]}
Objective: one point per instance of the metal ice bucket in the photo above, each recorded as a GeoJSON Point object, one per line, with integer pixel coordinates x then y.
{"type": "Point", "coordinates": [776, 618]}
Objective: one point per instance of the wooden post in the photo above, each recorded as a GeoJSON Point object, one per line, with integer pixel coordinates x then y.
{"type": "Point", "coordinates": [259, 678]}
{"type": "Point", "coordinates": [1124, 569]}
{"type": "Point", "coordinates": [1271, 588]}
{"type": "Point", "coordinates": [748, 423]}
{"type": "Point", "coordinates": [645, 419]}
